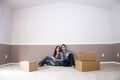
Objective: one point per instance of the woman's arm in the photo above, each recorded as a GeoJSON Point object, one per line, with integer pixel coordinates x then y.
{"type": "Point", "coordinates": [53, 58]}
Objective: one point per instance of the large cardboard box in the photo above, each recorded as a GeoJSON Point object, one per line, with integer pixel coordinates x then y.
{"type": "Point", "coordinates": [83, 56]}
{"type": "Point", "coordinates": [87, 65]}
{"type": "Point", "coordinates": [28, 65]}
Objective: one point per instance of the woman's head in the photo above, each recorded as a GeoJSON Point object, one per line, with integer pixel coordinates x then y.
{"type": "Point", "coordinates": [57, 49]}
{"type": "Point", "coordinates": [63, 47]}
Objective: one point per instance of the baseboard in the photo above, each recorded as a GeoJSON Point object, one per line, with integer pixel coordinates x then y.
{"type": "Point", "coordinates": [117, 62]}
{"type": "Point", "coordinates": [108, 62]}
{"type": "Point", "coordinates": [2, 65]}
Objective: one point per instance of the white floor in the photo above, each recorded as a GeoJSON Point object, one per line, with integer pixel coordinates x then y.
{"type": "Point", "coordinates": [109, 71]}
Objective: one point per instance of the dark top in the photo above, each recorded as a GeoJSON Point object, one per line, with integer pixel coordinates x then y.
{"type": "Point", "coordinates": [59, 59]}
{"type": "Point", "coordinates": [59, 56]}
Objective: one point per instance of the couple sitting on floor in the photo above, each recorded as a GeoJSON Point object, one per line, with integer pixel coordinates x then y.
{"type": "Point", "coordinates": [61, 57]}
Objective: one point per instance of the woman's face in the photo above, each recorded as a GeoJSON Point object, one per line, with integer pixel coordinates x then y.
{"type": "Point", "coordinates": [58, 49]}
{"type": "Point", "coordinates": [63, 48]}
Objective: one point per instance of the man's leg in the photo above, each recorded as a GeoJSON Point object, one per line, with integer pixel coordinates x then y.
{"type": "Point", "coordinates": [69, 61]}
{"type": "Point", "coordinates": [72, 62]}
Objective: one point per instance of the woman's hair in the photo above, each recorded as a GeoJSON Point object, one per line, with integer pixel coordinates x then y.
{"type": "Point", "coordinates": [55, 52]}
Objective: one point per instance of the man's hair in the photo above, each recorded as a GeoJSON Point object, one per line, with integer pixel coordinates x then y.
{"type": "Point", "coordinates": [63, 45]}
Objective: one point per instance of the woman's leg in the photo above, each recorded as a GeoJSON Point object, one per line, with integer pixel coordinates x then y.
{"type": "Point", "coordinates": [47, 60]}
{"type": "Point", "coordinates": [50, 62]}
{"type": "Point", "coordinates": [43, 61]}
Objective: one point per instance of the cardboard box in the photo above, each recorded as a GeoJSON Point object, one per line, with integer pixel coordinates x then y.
{"type": "Point", "coordinates": [82, 56]}
{"type": "Point", "coordinates": [87, 65]}
{"type": "Point", "coordinates": [28, 65]}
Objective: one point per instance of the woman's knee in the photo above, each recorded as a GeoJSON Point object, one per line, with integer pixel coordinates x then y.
{"type": "Point", "coordinates": [47, 57]}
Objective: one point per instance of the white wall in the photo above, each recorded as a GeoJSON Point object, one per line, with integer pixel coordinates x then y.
{"type": "Point", "coordinates": [116, 22]}
{"type": "Point", "coordinates": [61, 23]}
{"type": "Point", "coordinates": [5, 24]}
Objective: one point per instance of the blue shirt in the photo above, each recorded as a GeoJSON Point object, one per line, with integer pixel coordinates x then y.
{"type": "Point", "coordinates": [64, 54]}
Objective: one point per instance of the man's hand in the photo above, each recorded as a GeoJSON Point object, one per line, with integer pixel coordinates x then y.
{"type": "Point", "coordinates": [68, 54]}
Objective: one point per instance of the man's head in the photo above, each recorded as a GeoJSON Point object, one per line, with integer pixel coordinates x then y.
{"type": "Point", "coordinates": [63, 47]}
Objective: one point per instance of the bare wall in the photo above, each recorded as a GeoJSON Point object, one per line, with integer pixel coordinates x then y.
{"type": "Point", "coordinates": [5, 32]}
{"type": "Point", "coordinates": [117, 51]}
{"type": "Point", "coordinates": [59, 23]}
{"type": "Point", "coordinates": [4, 51]}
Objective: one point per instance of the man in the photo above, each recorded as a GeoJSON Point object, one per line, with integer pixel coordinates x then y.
{"type": "Point", "coordinates": [68, 58]}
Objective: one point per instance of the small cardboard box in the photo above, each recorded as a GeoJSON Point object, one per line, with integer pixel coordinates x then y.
{"type": "Point", "coordinates": [82, 56]}
{"type": "Point", "coordinates": [28, 65]}
{"type": "Point", "coordinates": [87, 65]}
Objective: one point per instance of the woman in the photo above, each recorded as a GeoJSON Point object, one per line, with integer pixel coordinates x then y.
{"type": "Point", "coordinates": [55, 60]}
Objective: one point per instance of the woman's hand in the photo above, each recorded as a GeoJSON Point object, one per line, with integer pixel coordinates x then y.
{"type": "Point", "coordinates": [53, 58]}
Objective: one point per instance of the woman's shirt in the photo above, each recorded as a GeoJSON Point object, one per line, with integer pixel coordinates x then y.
{"type": "Point", "coordinates": [59, 56]}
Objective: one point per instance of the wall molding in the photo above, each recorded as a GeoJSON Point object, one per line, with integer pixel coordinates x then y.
{"type": "Point", "coordinates": [96, 43]}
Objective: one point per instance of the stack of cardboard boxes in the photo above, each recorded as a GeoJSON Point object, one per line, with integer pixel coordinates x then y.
{"type": "Point", "coordinates": [87, 62]}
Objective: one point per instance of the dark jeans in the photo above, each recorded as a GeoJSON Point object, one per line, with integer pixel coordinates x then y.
{"type": "Point", "coordinates": [69, 61]}
{"type": "Point", "coordinates": [47, 60]}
